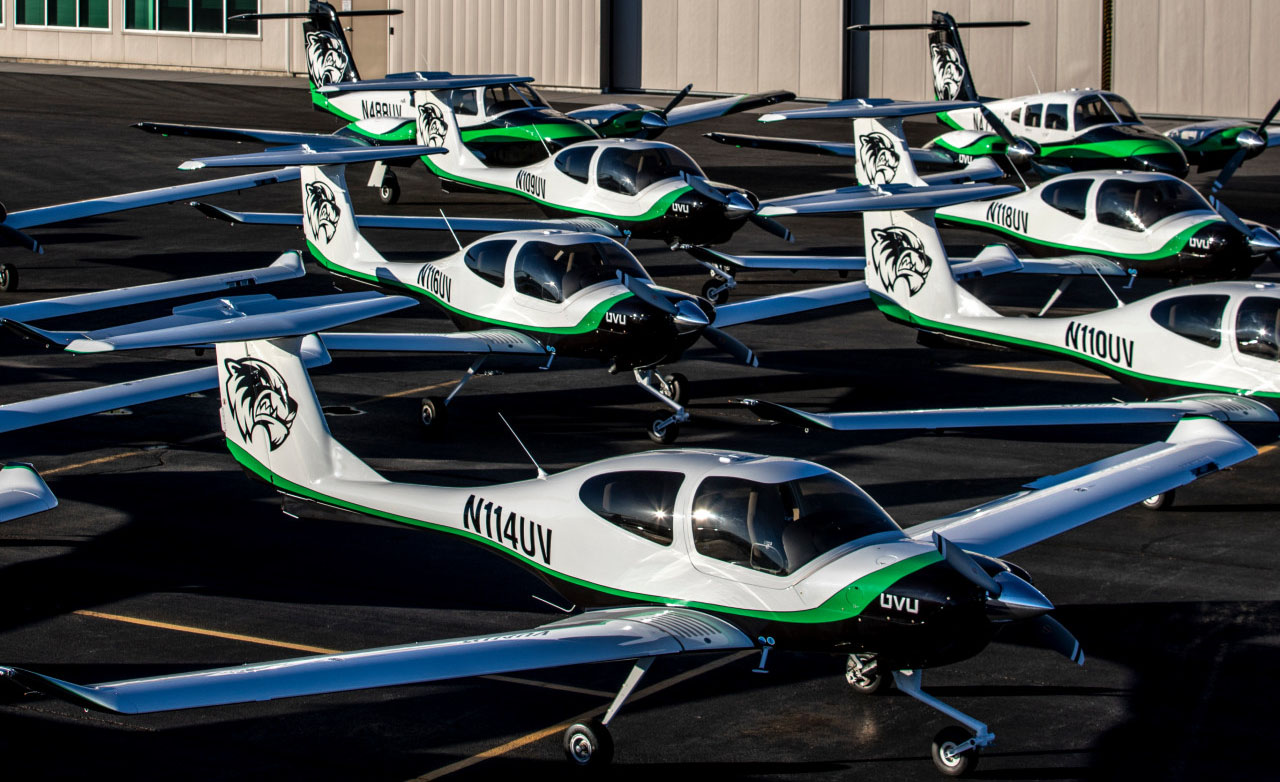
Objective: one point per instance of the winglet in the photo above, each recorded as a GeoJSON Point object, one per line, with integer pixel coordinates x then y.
{"type": "Point", "coordinates": [95, 698]}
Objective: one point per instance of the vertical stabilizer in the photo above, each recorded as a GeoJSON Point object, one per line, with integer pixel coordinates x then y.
{"type": "Point", "coordinates": [329, 58]}
{"type": "Point", "coordinates": [951, 77]}
{"type": "Point", "coordinates": [883, 156]}
{"type": "Point", "coordinates": [272, 420]}
{"type": "Point", "coordinates": [329, 222]}
{"type": "Point", "coordinates": [437, 126]}
{"type": "Point", "coordinates": [907, 266]}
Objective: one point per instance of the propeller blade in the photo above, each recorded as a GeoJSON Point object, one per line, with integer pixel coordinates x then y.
{"type": "Point", "coordinates": [1231, 217]}
{"type": "Point", "coordinates": [999, 127]}
{"type": "Point", "coordinates": [966, 565]}
{"type": "Point", "coordinates": [772, 226]}
{"type": "Point", "coordinates": [705, 188]}
{"type": "Point", "coordinates": [16, 237]}
{"type": "Point", "coordinates": [1019, 151]}
{"type": "Point", "coordinates": [682, 94]}
{"type": "Point", "coordinates": [1053, 635]}
{"type": "Point", "coordinates": [1270, 116]}
{"type": "Point", "coordinates": [1227, 170]}
{"type": "Point", "coordinates": [732, 346]}
{"type": "Point", "coordinates": [645, 292]}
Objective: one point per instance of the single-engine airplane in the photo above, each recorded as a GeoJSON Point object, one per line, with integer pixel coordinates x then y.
{"type": "Point", "coordinates": [673, 552]}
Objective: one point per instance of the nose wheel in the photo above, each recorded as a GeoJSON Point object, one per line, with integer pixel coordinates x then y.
{"type": "Point", "coordinates": [673, 391]}
{"type": "Point", "coordinates": [716, 290]}
{"type": "Point", "coordinates": [947, 755]}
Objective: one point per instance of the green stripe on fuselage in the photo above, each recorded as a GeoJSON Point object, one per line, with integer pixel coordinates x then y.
{"type": "Point", "coordinates": [1175, 245]}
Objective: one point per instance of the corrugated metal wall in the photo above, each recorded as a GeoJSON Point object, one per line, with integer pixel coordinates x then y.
{"type": "Point", "coordinates": [729, 45]}
{"type": "Point", "coordinates": [555, 41]}
{"type": "Point", "coordinates": [1062, 48]}
{"type": "Point", "coordinates": [1198, 58]}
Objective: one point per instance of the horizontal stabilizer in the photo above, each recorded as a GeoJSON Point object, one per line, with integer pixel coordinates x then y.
{"type": "Point", "coordinates": [1052, 505]}
{"type": "Point", "coordinates": [99, 399]}
{"type": "Point", "coordinates": [424, 81]}
{"type": "Point", "coordinates": [864, 198]}
{"type": "Point", "coordinates": [304, 156]}
{"type": "Point", "coordinates": [44, 215]}
{"type": "Point", "coordinates": [319, 16]}
{"type": "Point", "coordinates": [316, 141]}
{"type": "Point", "coordinates": [806, 146]}
{"type": "Point", "coordinates": [23, 492]}
{"type": "Point", "coordinates": [590, 637]}
{"type": "Point", "coordinates": [871, 108]}
{"type": "Point", "coordinates": [720, 107]}
{"type": "Point", "coordinates": [467, 342]}
{"type": "Point", "coordinates": [714, 257]}
{"type": "Point", "coordinates": [288, 266]}
{"type": "Point", "coordinates": [423, 223]}
{"type": "Point", "coordinates": [227, 319]}
{"type": "Point", "coordinates": [865, 28]}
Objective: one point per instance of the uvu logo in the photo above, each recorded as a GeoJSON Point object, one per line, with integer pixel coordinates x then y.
{"type": "Point", "coordinates": [910, 605]}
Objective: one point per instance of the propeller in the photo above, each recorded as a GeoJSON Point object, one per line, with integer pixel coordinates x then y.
{"type": "Point", "coordinates": [1018, 150]}
{"type": "Point", "coordinates": [731, 345]}
{"type": "Point", "coordinates": [15, 237]}
{"type": "Point", "coordinates": [658, 119]}
{"type": "Point", "coordinates": [1012, 598]}
{"type": "Point", "coordinates": [1248, 141]}
{"type": "Point", "coordinates": [735, 204]}
{"type": "Point", "coordinates": [686, 315]}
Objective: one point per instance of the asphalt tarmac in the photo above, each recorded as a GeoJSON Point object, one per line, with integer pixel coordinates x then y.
{"type": "Point", "coordinates": [164, 557]}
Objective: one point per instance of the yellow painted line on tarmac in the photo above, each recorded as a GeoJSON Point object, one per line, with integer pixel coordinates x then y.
{"type": "Point", "coordinates": [253, 639]}
{"type": "Point", "coordinates": [91, 462]}
{"type": "Point", "coordinates": [410, 391]}
{"type": "Point", "coordinates": [538, 735]}
{"type": "Point", "coordinates": [1031, 370]}
{"type": "Point", "coordinates": [1267, 449]}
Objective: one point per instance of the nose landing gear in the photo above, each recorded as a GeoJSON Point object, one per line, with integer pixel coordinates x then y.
{"type": "Point", "coordinates": [955, 750]}
{"type": "Point", "coordinates": [673, 391]}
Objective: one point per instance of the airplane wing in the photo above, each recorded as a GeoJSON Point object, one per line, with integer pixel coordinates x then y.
{"type": "Point", "coordinates": [815, 147]}
{"type": "Point", "coordinates": [424, 80]}
{"type": "Point", "coordinates": [720, 107]}
{"type": "Point", "coordinates": [871, 107]}
{"type": "Point", "coordinates": [219, 320]}
{"type": "Point", "coordinates": [790, 303]}
{"type": "Point", "coordinates": [23, 492]}
{"type": "Point", "coordinates": [466, 342]}
{"type": "Point", "coordinates": [592, 637]}
{"type": "Point", "coordinates": [99, 399]}
{"type": "Point", "coordinates": [1221, 407]}
{"type": "Point", "coordinates": [865, 198]}
{"type": "Point", "coordinates": [423, 223]}
{"type": "Point", "coordinates": [316, 141]}
{"type": "Point", "coordinates": [286, 267]}
{"type": "Point", "coordinates": [1057, 503]}
{"type": "Point", "coordinates": [305, 156]}
{"type": "Point", "coordinates": [44, 215]}
{"type": "Point", "coordinates": [993, 259]}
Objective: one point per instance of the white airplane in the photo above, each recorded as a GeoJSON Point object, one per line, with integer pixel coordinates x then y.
{"type": "Point", "coordinates": [14, 224]}
{"type": "Point", "coordinates": [673, 552]}
{"type": "Point", "coordinates": [546, 292]}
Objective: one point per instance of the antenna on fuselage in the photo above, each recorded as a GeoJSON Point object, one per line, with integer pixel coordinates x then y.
{"type": "Point", "coordinates": [450, 227]}
{"type": "Point", "coordinates": [542, 474]}
{"type": "Point", "coordinates": [540, 138]}
{"type": "Point", "coordinates": [1034, 80]}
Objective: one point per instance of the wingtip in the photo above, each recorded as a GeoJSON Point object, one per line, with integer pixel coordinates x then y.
{"type": "Point", "coordinates": [191, 165]}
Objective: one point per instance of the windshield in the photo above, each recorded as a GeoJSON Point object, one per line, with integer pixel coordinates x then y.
{"type": "Point", "coordinates": [1136, 206]}
{"type": "Point", "coordinates": [505, 97]}
{"type": "Point", "coordinates": [778, 527]}
{"type": "Point", "coordinates": [629, 171]}
{"type": "Point", "coordinates": [554, 272]}
{"type": "Point", "coordinates": [1122, 108]}
{"type": "Point", "coordinates": [1093, 110]}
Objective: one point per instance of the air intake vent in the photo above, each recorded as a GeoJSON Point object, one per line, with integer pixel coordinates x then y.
{"type": "Point", "coordinates": [682, 625]}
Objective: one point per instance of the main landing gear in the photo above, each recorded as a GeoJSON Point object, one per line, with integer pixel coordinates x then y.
{"type": "Point", "coordinates": [8, 277]}
{"type": "Point", "coordinates": [386, 181]}
{"type": "Point", "coordinates": [434, 411]}
{"type": "Point", "coordinates": [1160, 501]}
{"type": "Point", "coordinates": [955, 750]}
{"type": "Point", "coordinates": [673, 391]}
{"type": "Point", "coordinates": [589, 745]}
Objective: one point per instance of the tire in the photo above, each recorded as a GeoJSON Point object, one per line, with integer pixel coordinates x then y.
{"type": "Point", "coordinates": [588, 745]}
{"type": "Point", "coordinates": [8, 277]}
{"type": "Point", "coordinates": [679, 388]}
{"type": "Point", "coordinates": [434, 415]}
{"type": "Point", "coordinates": [719, 298]}
{"type": "Point", "coordinates": [668, 435]}
{"type": "Point", "coordinates": [862, 682]}
{"type": "Point", "coordinates": [956, 765]}
{"type": "Point", "coordinates": [1160, 501]}
{"type": "Point", "coordinates": [389, 193]}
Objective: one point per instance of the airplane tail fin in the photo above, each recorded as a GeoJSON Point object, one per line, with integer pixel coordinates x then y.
{"type": "Point", "coordinates": [329, 223]}
{"type": "Point", "coordinates": [273, 422]}
{"type": "Point", "coordinates": [951, 77]}
{"type": "Point", "coordinates": [882, 155]}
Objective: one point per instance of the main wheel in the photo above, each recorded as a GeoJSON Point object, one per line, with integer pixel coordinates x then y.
{"type": "Point", "coordinates": [678, 385]}
{"type": "Point", "coordinates": [434, 414]}
{"type": "Point", "coordinates": [667, 436]}
{"type": "Point", "coordinates": [863, 674]}
{"type": "Point", "coordinates": [944, 743]}
{"type": "Point", "coordinates": [8, 277]}
{"type": "Point", "coordinates": [709, 285]}
{"type": "Point", "coordinates": [1160, 501]}
{"type": "Point", "coordinates": [588, 744]}
{"type": "Point", "coordinates": [389, 193]}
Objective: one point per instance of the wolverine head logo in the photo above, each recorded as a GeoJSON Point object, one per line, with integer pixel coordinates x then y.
{"type": "Point", "coordinates": [431, 125]}
{"type": "Point", "coordinates": [879, 157]}
{"type": "Point", "coordinates": [322, 211]}
{"type": "Point", "coordinates": [897, 254]}
{"type": "Point", "coordinates": [948, 73]}
{"type": "Point", "coordinates": [327, 60]}
{"type": "Point", "coordinates": [258, 398]}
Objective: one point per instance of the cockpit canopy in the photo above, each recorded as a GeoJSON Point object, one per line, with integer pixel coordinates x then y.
{"type": "Point", "coordinates": [495, 99]}
{"type": "Point", "coordinates": [1090, 110]}
{"type": "Point", "coordinates": [629, 169]}
{"type": "Point", "coordinates": [553, 271]}
{"type": "Point", "coordinates": [1136, 205]}
{"type": "Point", "coordinates": [779, 527]}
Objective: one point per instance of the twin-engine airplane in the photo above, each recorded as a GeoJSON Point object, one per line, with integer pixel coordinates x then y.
{"type": "Point", "coordinates": [546, 292]}
{"type": "Point", "coordinates": [673, 552]}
